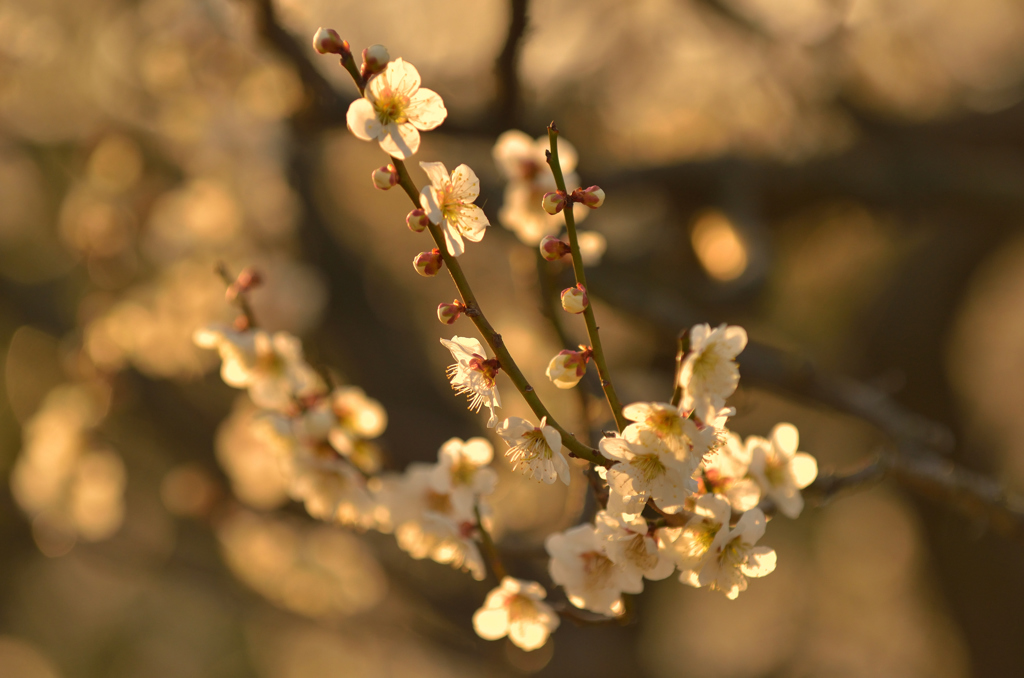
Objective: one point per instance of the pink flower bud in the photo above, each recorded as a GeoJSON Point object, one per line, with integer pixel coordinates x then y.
{"type": "Point", "coordinates": [575, 299]}
{"type": "Point", "coordinates": [592, 197]}
{"type": "Point", "coordinates": [553, 202]}
{"type": "Point", "coordinates": [327, 41]}
{"type": "Point", "coordinates": [375, 58]}
{"type": "Point", "coordinates": [553, 249]}
{"type": "Point", "coordinates": [417, 220]}
{"type": "Point", "coordinates": [385, 177]}
{"type": "Point", "coordinates": [567, 368]}
{"type": "Point", "coordinates": [428, 263]}
{"type": "Point", "coordinates": [449, 313]}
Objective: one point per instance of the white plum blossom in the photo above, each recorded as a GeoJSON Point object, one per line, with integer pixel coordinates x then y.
{"type": "Point", "coordinates": [580, 565]}
{"type": "Point", "coordinates": [690, 546]}
{"type": "Point", "coordinates": [330, 489]}
{"type": "Point", "coordinates": [516, 609]}
{"type": "Point", "coordinates": [354, 417]}
{"type": "Point", "coordinates": [780, 469]}
{"type": "Point", "coordinates": [270, 366]}
{"type": "Point", "coordinates": [463, 465]}
{"type": "Point", "coordinates": [394, 109]}
{"type": "Point", "coordinates": [631, 547]}
{"type": "Point", "coordinates": [725, 474]}
{"type": "Point", "coordinates": [537, 449]}
{"type": "Point", "coordinates": [521, 160]}
{"type": "Point", "coordinates": [448, 200]}
{"type": "Point", "coordinates": [709, 373]}
{"type": "Point", "coordinates": [653, 467]}
{"type": "Point", "coordinates": [733, 556]}
{"type": "Point", "coordinates": [474, 374]}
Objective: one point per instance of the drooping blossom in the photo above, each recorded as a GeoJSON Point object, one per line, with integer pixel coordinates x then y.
{"type": "Point", "coordinates": [709, 373]}
{"type": "Point", "coordinates": [780, 469]}
{"type": "Point", "coordinates": [394, 109]}
{"type": "Point", "coordinates": [580, 565]}
{"type": "Point", "coordinates": [270, 366]}
{"type": "Point", "coordinates": [536, 449]}
{"type": "Point", "coordinates": [516, 609]}
{"type": "Point", "coordinates": [474, 374]}
{"type": "Point", "coordinates": [448, 201]}
{"type": "Point", "coordinates": [629, 545]}
{"type": "Point", "coordinates": [734, 556]}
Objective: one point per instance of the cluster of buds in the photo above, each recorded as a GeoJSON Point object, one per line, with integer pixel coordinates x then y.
{"type": "Point", "coordinates": [554, 202]}
{"type": "Point", "coordinates": [327, 41]}
{"type": "Point", "coordinates": [375, 60]}
{"type": "Point", "coordinates": [429, 263]}
{"type": "Point", "coordinates": [567, 368]}
{"type": "Point", "coordinates": [553, 249]}
{"type": "Point", "coordinates": [385, 177]}
{"type": "Point", "coordinates": [575, 299]}
{"type": "Point", "coordinates": [449, 313]}
{"type": "Point", "coordinates": [417, 220]}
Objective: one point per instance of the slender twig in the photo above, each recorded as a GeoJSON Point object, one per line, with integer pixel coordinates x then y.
{"type": "Point", "coordinates": [493, 339]}
{"type": "Point", "coordinates": [488, 548]}
{"type": "Point", "coordinates": [581, 278]}
{"type": "Point", "coordinates": [507, 95]}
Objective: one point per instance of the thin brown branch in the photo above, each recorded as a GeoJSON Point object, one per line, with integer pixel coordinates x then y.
{"type": "Point", "coordinates": [507, 99]}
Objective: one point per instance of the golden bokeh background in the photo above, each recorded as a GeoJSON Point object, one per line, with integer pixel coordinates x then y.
{"type": "Point", "coordinates": [845, 178]}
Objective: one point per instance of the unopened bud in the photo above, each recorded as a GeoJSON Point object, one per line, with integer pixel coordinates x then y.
{"type": "Point", "coordinates": [449, 313]}
{"type": "Point", "coordinates": [553, 202]}
{"type": "Point", "coordinates": [375, 58]}
{"type": "Point", "coordinates": [417, 220]}
{"type": "Point", "coordinates": [575, 299]}
{"type": "Point", "coordinates": [385, 177]}
{"type": "Point", "coordinates": [428, 263]}
{"type": "Point", "coordinates": [552, 248]}
{"type": "Point", "coordinates": [327, 41]}
{"type": "Point", "coordinates": [592, 197]}
{"type": "Point", "coordinates": [567, 368]}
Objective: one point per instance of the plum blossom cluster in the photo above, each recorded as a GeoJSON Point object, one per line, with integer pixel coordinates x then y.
{"type": "Point", "coordinates": [678, 493]}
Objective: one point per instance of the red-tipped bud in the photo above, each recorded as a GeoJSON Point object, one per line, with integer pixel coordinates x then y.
{"type": "Point", "coordinates": [592, 197]}
{"type": "Point", "coordinates": [246, 280]}
{"type": "Point", "coordinates": [553, 202]}
{"type": "Point", "coordinates": [428, 263]}
{"type": "Point", "coordinates": [385, 177]}
{"type": "Point", "coordinates": [327, 41]}
{"type": "Point", "coordinates": [575, 299]}
{"type": "Point", "coordinates": [417, 220]}
{"type": "Point", "coordinates": [553, 249]}
{"type": "Point", "coordinates": [375, 59]}
{"type": "Point", "coordinates": [567, 368]}
{"type": "Point", "coordinates": [449, 313]}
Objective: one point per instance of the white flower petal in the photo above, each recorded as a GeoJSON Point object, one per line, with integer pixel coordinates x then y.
{"type": "Point", "coordinates": [362, 120]}
{"type": "Point", "coordinates": [472, 223]}
{"type": "Point", "coordinates": [402, 141]}
{"type": "Point", "coordinates": [465, 184]}
{"type": "Point", "coordinates": [804, 468]}
{"type": "Point", "coordinates": [436, 173]}
{"type": "Point", "coordinates": [428, 201]}
{"type": "Point", "coordinates": [491, 624]}
{"type": "Point", "coordinates": [454, 241]}
{"type": "Point", "coordinates": [426, 109]}
{"type": "Point", "coordinates": [786, 438]}
{"type": "Point", "coordinates": [760, 561]}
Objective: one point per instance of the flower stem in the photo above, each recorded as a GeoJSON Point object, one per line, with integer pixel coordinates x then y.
{"type": "Point", "coordinates": [240, 299]}
{"type": "Point", "coordinates": [581, 278]}
{"type": "Point", "coordinates": [493, 339]}
{"type": "Point", "coordinates": [490, 551]}
{"type": "Point", "coordinates": [684, 347]}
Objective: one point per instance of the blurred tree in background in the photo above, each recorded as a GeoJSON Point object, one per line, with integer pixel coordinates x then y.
{"type": "Point", "coordinates": [843, 178]}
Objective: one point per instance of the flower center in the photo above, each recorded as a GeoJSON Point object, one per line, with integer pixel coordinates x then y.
{"type": "Point", "coordinates": [488, 368]}
{"type": "Point", "coordinates": [533, 446]}
{"type": "Point", "coordinates": [438, 502]}
{"type": "Point", "coordinates": [521, 607]}
{"type": "Point", "coordinates": [391, 107]}
{"type": "Point", "coordinates": [649, 466]}
{"type": "Point", "coordinates": [597, 569]}
{"type": "Point", "coordinates": [636, 551]}
{"type": "Point", "coordinates": [462, 473]}
{"type": "Point", "coordinates": [707, 362]}
{"type": "Point", "coordinates": [733, 554]}
{"type": "Point", "coordinates": [702, 535]}
{"type": "Point", "coordinates": [665, 422]}
{"type": "Point", "coordinates": [775, 471]}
